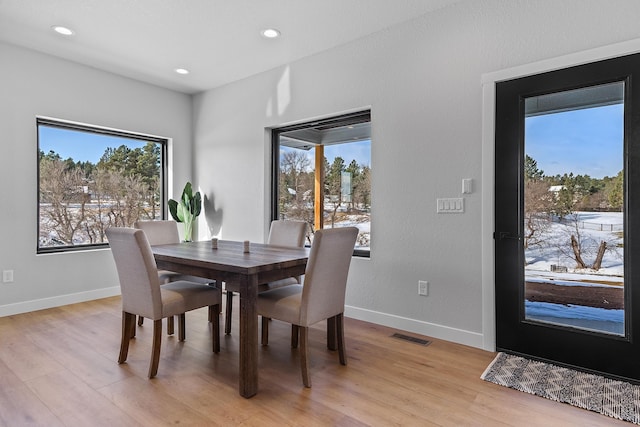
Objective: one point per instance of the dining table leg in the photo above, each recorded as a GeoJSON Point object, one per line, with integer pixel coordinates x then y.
{"type": "Point", "coordinates": [248, 335]}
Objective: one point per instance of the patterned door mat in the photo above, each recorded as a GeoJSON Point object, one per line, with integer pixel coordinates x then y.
{"type": "Point", "coordinates": [614, 398]}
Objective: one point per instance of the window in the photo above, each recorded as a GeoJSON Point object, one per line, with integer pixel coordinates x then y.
{"type": "Point", "coordinates": [322, 175]}
{"type": "Point", "coordinates": [92, 178]}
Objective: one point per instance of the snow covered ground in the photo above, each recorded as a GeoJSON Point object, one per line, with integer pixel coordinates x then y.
{"type": "Point", "coordinates": [589, 318]}
{"type": "Point", "coordinates": [593, 228]}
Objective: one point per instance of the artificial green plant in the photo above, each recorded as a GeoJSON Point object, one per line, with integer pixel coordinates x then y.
{"type": "Point", "coordinates": [186, 210]}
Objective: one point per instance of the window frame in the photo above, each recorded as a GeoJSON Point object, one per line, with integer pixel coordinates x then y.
{"type": "Point", "coordinates": [100, 130]}
{"type": "Point", "coordinates": [357, 117]}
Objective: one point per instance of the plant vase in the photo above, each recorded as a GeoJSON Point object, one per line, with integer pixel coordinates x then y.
{"type": "Point", "coordinates": [186, 209]}
{"type": "Point", "coordinates": [188, 229]}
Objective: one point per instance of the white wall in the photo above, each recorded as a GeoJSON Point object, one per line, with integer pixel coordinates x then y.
{"type": "Point", "coordinates": [422, 81]}
{"type": "Point", "coordinates": [33, 84]}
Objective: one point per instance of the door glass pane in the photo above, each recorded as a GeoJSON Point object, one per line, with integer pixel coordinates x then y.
{"type": "Point", "coordinates": [574, 210]}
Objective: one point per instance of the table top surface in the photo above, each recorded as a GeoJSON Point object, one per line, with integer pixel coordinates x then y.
{"type": "Point", "coordinates": [230, 256]}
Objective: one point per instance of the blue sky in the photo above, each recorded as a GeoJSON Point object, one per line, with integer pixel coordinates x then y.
{"type": "Point", "coordinates": [360, 151]}
{"type": "Point", "coordinates": [84, 146]}
{"type": "Point", "coordinates": [585, 142]}
{"type": "Point", "coordinates": [80, 146]}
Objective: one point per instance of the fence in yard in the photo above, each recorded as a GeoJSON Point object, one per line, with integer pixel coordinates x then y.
{"type": "Point", "coordinates": [591, 225]}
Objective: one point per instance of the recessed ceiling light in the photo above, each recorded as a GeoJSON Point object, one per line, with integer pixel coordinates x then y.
{"type": "Point", "coordinates": [182, 71]}
{"type": "Point", "coordinates": [63, 30]}
{"type": "Point", "coordinates": [270, 33]}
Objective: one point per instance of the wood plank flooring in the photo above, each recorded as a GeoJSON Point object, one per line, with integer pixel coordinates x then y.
{"type": "Point", "coordinates": [58, 367]}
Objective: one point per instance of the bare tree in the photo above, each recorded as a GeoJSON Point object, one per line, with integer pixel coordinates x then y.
{"type": "Point", "coordinates": [576, 247]}
{"type": "Point", "coordinates": [63, 200]}
{"type": "Point", "coordinates": [362, 188]}
{"type": "Point", "coordinates": [537, 206]}
{"type": "Point", "coordinates": [601, 250]}
{"type": "Point", "coordinates": [122, 198]}
{"type": "Point", "coordinates": [296, 181]}
{"type": "Point", "coordinates": [581, 246]}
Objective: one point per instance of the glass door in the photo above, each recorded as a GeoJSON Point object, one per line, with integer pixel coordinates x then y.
{"type": "Point", "coordinates": [567, 157]}
{"type": "Point", "coordinates": [573, 208]}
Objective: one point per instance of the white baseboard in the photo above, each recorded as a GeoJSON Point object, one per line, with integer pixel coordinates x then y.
{"type": "Point", "coordinates": [57, 301]}
{"type": "Point", "coordinates": [433, 330]}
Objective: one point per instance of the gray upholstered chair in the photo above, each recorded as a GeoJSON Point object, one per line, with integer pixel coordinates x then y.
{"type": "Point", "coordinates": [281, 233]}
{"type": "Point", "coordinates": [143, 296]}
{"type": "Point", "coordinates": [164, 232]}
{"type": "Point", "coordinates": [161, 232]}
{"type": "Point", "coordinates": [321, 297]}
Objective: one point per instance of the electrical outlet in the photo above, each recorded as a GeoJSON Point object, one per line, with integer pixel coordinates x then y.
{"type": "Point", "coordinates": [423, 287]}
{"type": "Point", "coordinates": [7, 276]}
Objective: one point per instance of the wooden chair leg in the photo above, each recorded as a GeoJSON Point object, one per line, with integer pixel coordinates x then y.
{"type": "Point", "coordinates": [304, 355]}
{"type": "Point", "coordinates": [215, 327]}
{"type": "Point", "coordinates": [265, 331]}
{"type": "Point", "coordinates": [140, 320]}
{"type": "Point", "coordinates": [227, 314]}
{"type": "Point", "coordinates": [331, 334]}
{"type": "Point", "coordinates": [132, 326]}
{"type": "Point", "coordinates": [155, 350]}
{"type": "Point", "coordinates": [342, 351]}
{"type": "Point", "coordinates": [132, 331]}
{"type": "Point", "coordinates": [170, 325]}
{"type": "Point", "coordinates": [295, 329]}
{"type": "Point", "coordinates": [127, 320]}
{"type": "Point", "coordinates": [182, 330]}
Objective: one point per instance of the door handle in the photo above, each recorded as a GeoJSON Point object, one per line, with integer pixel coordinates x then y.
{"type": "Point", "coordinates": [505, 235]}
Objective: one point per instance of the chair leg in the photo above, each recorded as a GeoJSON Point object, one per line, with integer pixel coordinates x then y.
{"type": "Point", "coordinates": [132, 326]}
{"type": "Point", "coordinates": [294, 336]}
{"type": "Point", "coordinates": [227, 314]}
{"type": "Point", "coordinates": [170, 325]}
{"type": "Point", "coordinates": [342, 351]}
{"type": "Point", "coordinates": [265, 330]}
{"type": "Point", "coordinates": [155, 350]}
{"type": "Point", "coordinates": [140, 322]}
{"type": "Point", "coordinates": [182, 330]}
{"type": "Point", "coordinates": [127, 320]}
{"type": "Point", "coordinates": [304, 355]}
{"type": "Point", "coordinates": [331, 333]}
{"type": "Point", "coordinates": [215, 327]}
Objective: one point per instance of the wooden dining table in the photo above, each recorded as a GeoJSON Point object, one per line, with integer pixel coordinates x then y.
{"type": "Point", "coordinates": [231, 264]}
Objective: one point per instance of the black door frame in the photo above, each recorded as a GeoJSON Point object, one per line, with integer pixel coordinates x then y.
{"type": "Point", "coordinates": [611, 355]}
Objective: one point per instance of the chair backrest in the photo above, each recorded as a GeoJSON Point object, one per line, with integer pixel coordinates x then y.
{"type": "Point", "coordinates": [287, 233]}
{"type": "Point", "coordinates": [137, 272]}
{"type": "Point", "coordinates": [159, 232]}
{"type": "Point", "coordinates": [325, 281]}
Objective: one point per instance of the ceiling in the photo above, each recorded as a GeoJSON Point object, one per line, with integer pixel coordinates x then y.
{"type": "Point", "coordinates": [218, 41]}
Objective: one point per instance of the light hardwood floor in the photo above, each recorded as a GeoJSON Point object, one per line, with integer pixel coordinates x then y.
{"type": "Point", "coordinates": [58, 368]}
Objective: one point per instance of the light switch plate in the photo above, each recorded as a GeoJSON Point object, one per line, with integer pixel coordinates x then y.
{"type": "Point", "coordinates": [451, 205]}
{"type": "Point", "coordinates": [7, 276]}
{"type": "Point", "coordinates": [467, 186]}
